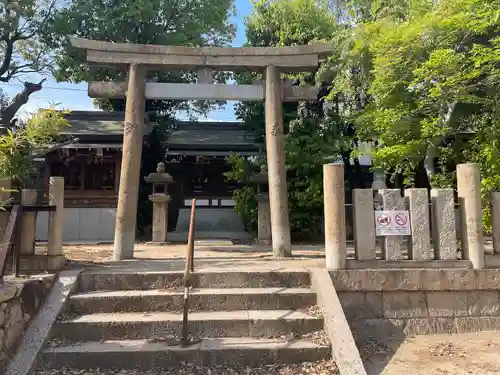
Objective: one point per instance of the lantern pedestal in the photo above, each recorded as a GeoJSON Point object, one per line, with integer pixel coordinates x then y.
{"type": "Point", "coordinates": [160, 199]}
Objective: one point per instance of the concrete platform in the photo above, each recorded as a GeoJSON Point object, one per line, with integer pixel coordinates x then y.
{"type": "Point", "coordinates": [200, 299]}
{"type": "Point", "coordinates": [146, 355]}
{"type": "Point", "coordinates": [241, 323]}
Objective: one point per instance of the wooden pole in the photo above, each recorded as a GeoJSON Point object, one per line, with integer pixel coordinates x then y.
{"type": "Point", "coordinates": [188, 275]}
{"type": "Point", "coordinates": [190, 245]}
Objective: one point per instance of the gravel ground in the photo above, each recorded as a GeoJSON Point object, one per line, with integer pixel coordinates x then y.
{"type": "Point", "coordinates": [457, 354]}
{"type": "Point", "coordinates": [316, 368]}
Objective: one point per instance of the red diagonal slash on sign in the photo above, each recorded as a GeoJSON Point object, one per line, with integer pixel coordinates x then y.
{"type": "Point", "coordinates": [401, 219]}
{"type": "Point", "coordinates": [384, 220]}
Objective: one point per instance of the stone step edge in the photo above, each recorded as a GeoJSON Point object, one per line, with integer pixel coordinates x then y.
{"type": "Point", "coordinates": [139, 271]}
{"type": "Point", "coordinates": [194, 292]}
{"type": "Point", "coordinates": [206, 345]}
{"type": "Point", "coordinates": [195, 316]}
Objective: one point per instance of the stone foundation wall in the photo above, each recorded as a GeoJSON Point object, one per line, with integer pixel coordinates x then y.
{"type": "Point", "coordinates": [412, 302]}
{"type": "Point", "coordinates": [19, 302]}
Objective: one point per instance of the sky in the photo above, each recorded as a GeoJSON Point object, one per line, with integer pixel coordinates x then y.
{"type": "Point", "coordinates": [74, 96]}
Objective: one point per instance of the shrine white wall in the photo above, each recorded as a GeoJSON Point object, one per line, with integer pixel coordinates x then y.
{"type": "Point", "coordinates": [90, 225]}
{"type": "Point", "coordinates": [82, 225]}
{"type": "Point", "coordinates": [210, 220]}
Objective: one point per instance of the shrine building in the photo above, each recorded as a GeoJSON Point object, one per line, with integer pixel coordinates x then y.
{"type": "Point", "coordinates": [196, 158]}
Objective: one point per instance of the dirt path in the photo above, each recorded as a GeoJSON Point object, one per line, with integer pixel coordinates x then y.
{"type": "Point", "coordinates": [208, 255]}
{"type": "Point", "coordinates": [458, 354]}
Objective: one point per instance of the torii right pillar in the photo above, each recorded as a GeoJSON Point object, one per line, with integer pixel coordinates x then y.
{"type": "Point", "coordinates": [275, 150]}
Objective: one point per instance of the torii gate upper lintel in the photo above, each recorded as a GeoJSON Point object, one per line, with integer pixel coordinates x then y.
{"type": "Point", "coordinates": [271, 60]}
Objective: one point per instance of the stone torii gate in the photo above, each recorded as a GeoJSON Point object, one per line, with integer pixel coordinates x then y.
{"type": "Point", "coordinates": [139, 58]}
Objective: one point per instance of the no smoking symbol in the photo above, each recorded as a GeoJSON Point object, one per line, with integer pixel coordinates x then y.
{"type": "Point", "coordinates": [401, 219]}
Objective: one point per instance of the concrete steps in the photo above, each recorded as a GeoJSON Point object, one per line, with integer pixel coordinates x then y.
{"type": "Point", "coordinates": [146, 355]}
{"type": "Point", "coordinates": [121, 319]}
{"type": "Point", "coordinates": [243, 323]}
{"type": "Point", "coordinates": [200, 299]}
{"type": "Point", "coordinates": [143, 280]}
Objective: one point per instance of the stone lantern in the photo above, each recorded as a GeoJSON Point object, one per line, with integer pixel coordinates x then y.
{"type": "Point", "coordinates": [160, 199]}
{"type": "Point", "coordinates": [263, 209]}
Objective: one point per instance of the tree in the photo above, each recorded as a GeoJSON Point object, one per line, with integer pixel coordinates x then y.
{"type": "Point", "coordinates": [310, 137]}
{"type": "Point", "coordinates": [22, 49]}
{"type": "Point", "coordinates": [430, 77]}
{"type": "Point", "coordinates": [166, 22]}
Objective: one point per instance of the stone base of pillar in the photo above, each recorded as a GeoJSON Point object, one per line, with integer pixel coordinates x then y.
{"type": "Point", "coordinates": [159, 243]}
{"type": "Point", "coordinates": [264, 235]}
{"type": "Point", "coordinates": [160, 214]}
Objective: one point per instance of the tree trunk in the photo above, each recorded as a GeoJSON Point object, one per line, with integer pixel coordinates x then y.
{"type": "Point", "coordinates": [18, 101]}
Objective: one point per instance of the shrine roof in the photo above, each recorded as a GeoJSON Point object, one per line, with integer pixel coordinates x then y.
{"type": "Point", "coordinates": [97, 123]}
{"type": "Point", "coordinates": [211, 134]}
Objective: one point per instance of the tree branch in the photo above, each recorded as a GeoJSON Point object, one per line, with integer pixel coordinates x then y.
{"type": "Point", "coordinates": [7, 58]}
{"type": "Point", "coordinates": [19, 100]}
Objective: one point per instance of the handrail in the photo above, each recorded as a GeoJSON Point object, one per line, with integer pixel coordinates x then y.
{"type": "Point", "coordinates": [188, 275]}
{"type": "Point", "coordinates": [7, 238]}
{"type": "Point", "coordinates": [15, 224]}
{"type": "Point", "coordinates": [190, 244]}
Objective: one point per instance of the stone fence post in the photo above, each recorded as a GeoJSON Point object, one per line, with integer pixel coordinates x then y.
{"type": "Point", "coordinates": [495, 220]}
{"type": "Point", "coordinates": [5, 184]}
{"type": "Point", "coordinates": [419, 245]}
{"type": "Point", "coordinates": [264, 235]}
{"type": "Point", "coordinates": [444, 229]}
{"type": "Point", "coordinates": [28, 236]}
{"type": "Point", "coordinates": [393, 246]}
{"type": "Point", "coordinates": [56, 219]}
{"type": "Point", "coordinates": [334, 206]}
{"type": "Point", "coordinates": [364, 224]}
{"type": "Point", "coordinates": [469, 196]}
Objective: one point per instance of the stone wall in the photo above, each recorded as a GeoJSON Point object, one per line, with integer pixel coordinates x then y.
{"type": "Point", "coordinates": [409, 302]}
{"type": "Point", "coordinates": [19, 302]}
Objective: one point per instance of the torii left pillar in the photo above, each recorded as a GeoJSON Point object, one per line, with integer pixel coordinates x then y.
{"type": "Point", "coordinates": [126, 216]}
{"type": "Point", "coordinates": [275, 150]}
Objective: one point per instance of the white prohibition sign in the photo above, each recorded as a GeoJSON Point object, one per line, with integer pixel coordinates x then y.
{"type": "Point", "coordinates": [401, 219]}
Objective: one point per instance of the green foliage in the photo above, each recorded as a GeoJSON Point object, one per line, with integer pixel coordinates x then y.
{"type": "Point", "coordinates": [18, 146]}
{"type": "Point", "coordinates": [245, 198]}
{"type": "Point", "coordinates": [164, 22]}
{"type": "Point", "coordinates": [421, 78]}
{"type": "Point", "coordinates": [285, 22]}
{"type": "Point", "coordinates": [311, 142]}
